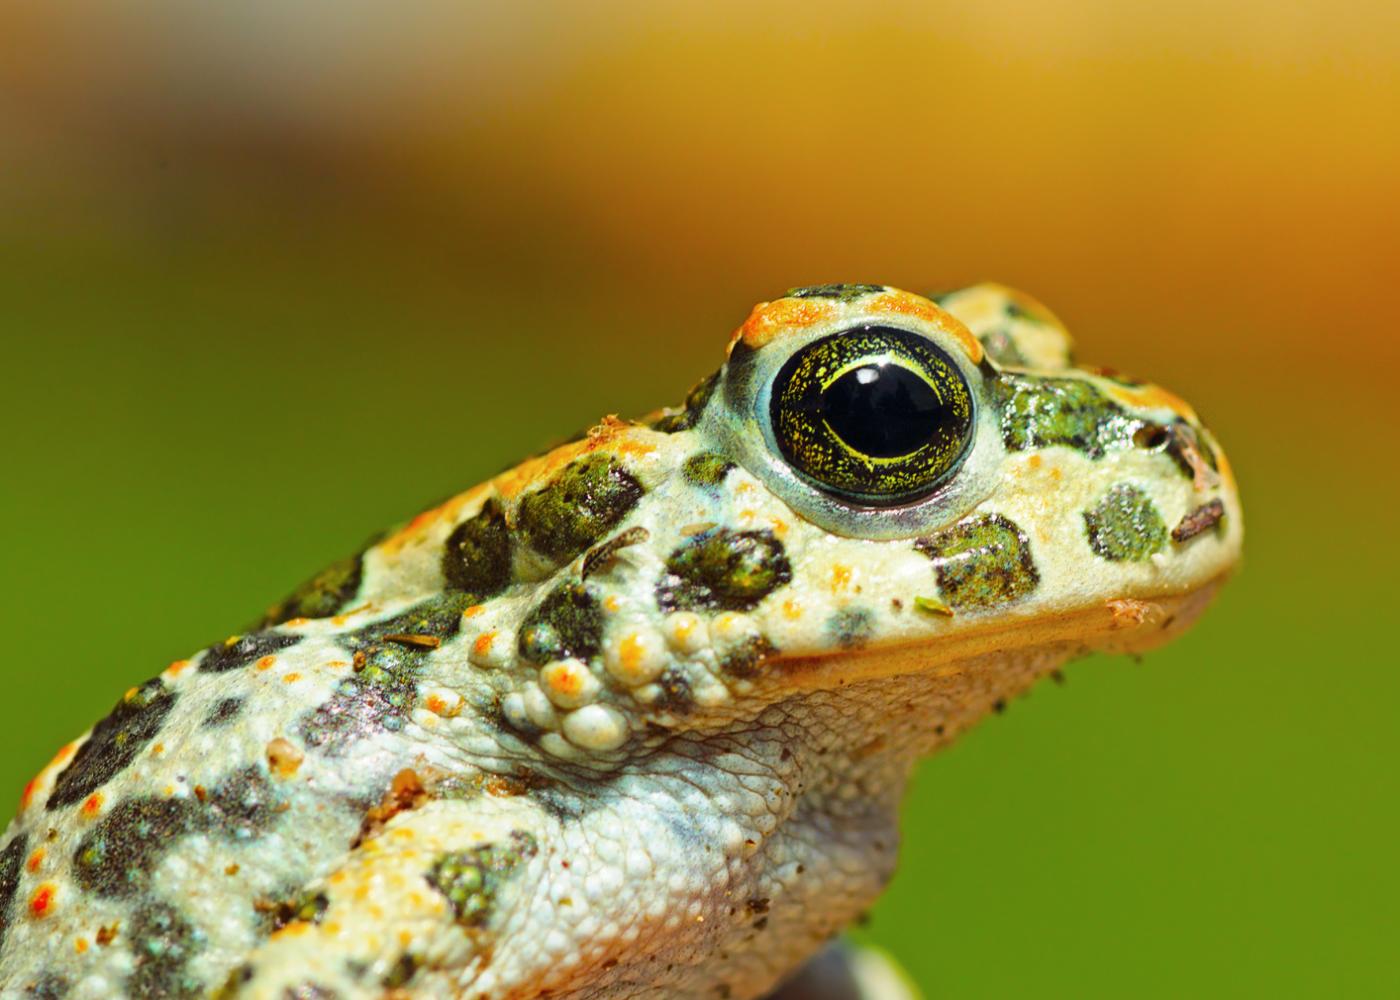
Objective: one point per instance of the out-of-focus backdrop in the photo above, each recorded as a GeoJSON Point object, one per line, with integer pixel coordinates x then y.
{"type": "Point", "coordinates": [273, 275]}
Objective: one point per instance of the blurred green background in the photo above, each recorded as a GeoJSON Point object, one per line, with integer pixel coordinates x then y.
{"type": "Point", "coordinates": [273, 276]}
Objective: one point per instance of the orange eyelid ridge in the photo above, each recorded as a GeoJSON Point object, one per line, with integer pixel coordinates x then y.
{"type": "Point", "coordinates": [899, 303]}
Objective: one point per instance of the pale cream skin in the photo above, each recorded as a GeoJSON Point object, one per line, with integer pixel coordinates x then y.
{"type": "Point", "coordinates": [680, 797]}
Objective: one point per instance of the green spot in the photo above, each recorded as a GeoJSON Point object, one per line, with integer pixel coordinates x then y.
{"type": "Point", "coordinates": [578, 507]}
{"type": "Point", "coordinates": [842, 293]}
{"type": "Point", "coordinates": [471, 879]}
{"type": "Point", "coordinates": [1040, 412]}
{"type": "Point", "coordinates": [477, 555]}
{"type": "Point", "coordinates": [723, 570]}
{"type": "Point", "coordinates": [1125, 526]}
{"type": "Point", "coordinates": [326, 593]}
{"type": "Point", "coordinates": [162, 946]}
{"type": "Point", "coordinates": [981, 563]}
{"type": "Point", "coordinates": [568, 622]}
{"type": "Point", "coordinates": [933, 606]}
{"type": "Point", "coordinates": [306, 907]}
{"type": "Point", "coordinates": [683, 419]}
{"type": "Point", "coordinates": [705, 469]}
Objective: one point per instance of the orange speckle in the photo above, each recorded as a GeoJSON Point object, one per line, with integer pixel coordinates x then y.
{"type": "Point", "coordinates": [630, 650]}
{"type": "Point", "coordinates": [27, 796]}
{"type": "Point", "coordinates": [405, 938]}
{"type": "Point", "coordinates": [771, 319]}
{"type": "Point", "coordinates": [168, 791]}
{"type": "Point", "coordinates": [283, 757]}
{"type": "Point", "coordinates": [295, 929]}
{"type": "Point", "coordinates": [330, 927]}
{"type": "Point", "coordinates": [337, 877]}
{"type": "Point", "coordinates": [291, 678]}
{"type": "Point", "coordinates": [840, 578]}
{"type": "Point", "coordinates": [565, 682]}
{"type": "Point", "coordinates": [266, 662]}
{"type": "Point", "coordinates": [80, 945]}
{"type": "Point", "coordinates": [473, 611]}
{"type": "Point", "coordinates": [482, 645]}
{"type": "Point", "coordinates": [231, 869]}
{"type": "Point", "coordinates": [639, 449]}
{"type": "Point", "coordinates": [92, 805]}
{"type": "Point", "coordinates": [336, 664]}
{"type": "Point", "coordinates": [780, 527]}
{"type": "Point", "coordinates": [1035, 461]}
{"type": "Point", "coordinates": [611, 603]}
{"type": "Point", "coordinates": [435, 704]}
{"type": "Point", "coordinates": [35, 860]}
{"type": "Point", "coordinates": [41, 904]}
{"type": "Point", "coordinates": [295, 622]}
{"type": "Point", "coordinates": [158, 748]}
{"type": "Point", "coordinates": [177, 668]}
{"type": "Point", "coordinates": [792, 609]}
{"type": "Point", "coordinates": [64, 753]}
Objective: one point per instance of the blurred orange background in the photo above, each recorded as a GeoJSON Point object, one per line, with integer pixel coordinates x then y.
{"type": "Point", "coordinates": [274, 274]}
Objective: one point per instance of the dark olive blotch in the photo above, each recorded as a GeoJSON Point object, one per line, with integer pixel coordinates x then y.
{"type": "Point", "coordinates": [326, 593]}
{"type": "Point", "coordinates": [241, 650]}
{"type": "Point", "coordinates": [163, 943]}
{"type": "Point", "coordinates": [477, 555]}
{"type": "Point", "coordinates": [114, 743]}
{"type": "Point", "coordinates": [568, 622]}
{"type": "Point", "coordinates": [470, 879]}
{"type": "Point", "coordinates": [1040, 412]}
{"type": "Point", "coordinates": [842, 293]}
{"type": "Point", "coordinates": [851, 628]}
{"type": "Point", "coordinates": [1125, 526]}
{"type": "Point", "coordinates": [575, 510]}
{"type": "Point", "coordinates": [242, 805]}
{"type": "Point", "coordinates": [388, 656]}
{"type": "Point", "coordinates": [724, 570]}
{"type": "Point", "coordinates": [116, 857]}
{"type": "Point", "coordinates": [982, 562]}
{"type": "Point", "coordinates": [10, 860]}
{"type": "Point", "coordinates": [706, 469]}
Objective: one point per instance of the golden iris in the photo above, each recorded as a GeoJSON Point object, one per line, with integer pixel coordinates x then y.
{"type": "Point", "coordinates": [874, 414]}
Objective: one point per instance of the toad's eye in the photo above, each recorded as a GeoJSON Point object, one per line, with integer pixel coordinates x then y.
{"type": "Point", "coordinates": [875, 415]}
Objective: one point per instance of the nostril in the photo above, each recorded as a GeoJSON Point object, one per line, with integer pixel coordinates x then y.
{"type": "Point", "coordinates": [1152, 437]}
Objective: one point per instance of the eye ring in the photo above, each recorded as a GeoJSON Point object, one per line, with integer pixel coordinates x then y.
{"type": "Point", "coordinates": [872, 414]}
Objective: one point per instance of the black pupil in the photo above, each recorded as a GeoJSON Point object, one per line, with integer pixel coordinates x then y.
{"type": "Point", "coordinates": [883, 410]}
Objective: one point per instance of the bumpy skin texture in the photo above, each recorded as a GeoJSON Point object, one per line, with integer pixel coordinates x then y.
{"type": "Point", "coordinates": [632, 719]}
